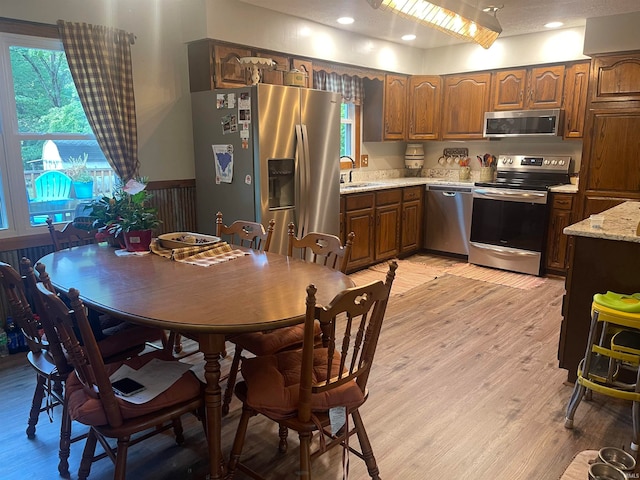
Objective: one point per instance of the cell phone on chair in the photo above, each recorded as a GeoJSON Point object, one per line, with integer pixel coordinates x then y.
{"type": "Point", "coordinates": [127, 387]}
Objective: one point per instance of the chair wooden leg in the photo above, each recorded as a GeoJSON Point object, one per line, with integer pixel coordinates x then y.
{"type": "Point", "coordinates": [305, 455]}
{"type": "Point", "coordinates": [231, 380]}
{"type": "Point", "coordinates": [121, 459]}
{"type": "Point", "coordinates": [65, 442]}
{"type": "Point", "coordinates": [238, 442]}
{"type": "Point", "coordinates": [87, 455]}
{"type": "Point", "coordinates": [177, 429]}
{"type": "Point", "coordinates": [283, 433]}
{"type": "Point", "coordinates": [36, 405]}
{"type": "Point", "coordinates": [365, 446]}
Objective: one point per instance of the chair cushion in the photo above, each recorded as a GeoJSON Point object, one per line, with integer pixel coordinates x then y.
{"type": "Point", "coordinates": [89, 411]}
{"type": "Point", "coordinates": [272, 341]}
{"type": "Point", "coordinates": [126, 336]}
{"type": "Point", "coordinates": [273, 384]}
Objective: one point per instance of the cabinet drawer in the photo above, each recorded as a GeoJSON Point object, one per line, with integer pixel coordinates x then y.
{"type": "Point", "coordinates": [359, 201]}
{"type": "Point", "coordinates": [412, 193]}
{"type": "Point", "coordinates": [562, 202]}
{"type": "Point", "coordinates": [387, 197]}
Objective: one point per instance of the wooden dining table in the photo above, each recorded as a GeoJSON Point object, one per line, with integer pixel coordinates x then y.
{"type": "Point", "coordinates": [256, 292]}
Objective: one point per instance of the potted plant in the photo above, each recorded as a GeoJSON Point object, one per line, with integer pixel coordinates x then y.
{"type": "Point", "coordinates": [81, 179]}
{"type": "Point", "coordinates": [126, 217]}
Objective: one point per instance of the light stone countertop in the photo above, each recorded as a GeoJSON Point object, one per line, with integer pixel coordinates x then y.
{"type": "Point", "coordinates": [620, 223]}
{"type": "Point", "coordinates": [386, 183]}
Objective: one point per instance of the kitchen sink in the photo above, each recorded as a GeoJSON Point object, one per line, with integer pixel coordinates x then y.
{"type": "Point", "coordinates": [348, 186]}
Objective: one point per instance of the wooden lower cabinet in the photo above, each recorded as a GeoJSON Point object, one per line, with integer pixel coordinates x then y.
{"type": "Point", "coordinates": [386, 223]}
{"type": "Point", "coordinates": [358, 218]}
{"type": "Point", "coordinates": [411, 227]}
{"type": "Point", "coordinates": [561, 216]}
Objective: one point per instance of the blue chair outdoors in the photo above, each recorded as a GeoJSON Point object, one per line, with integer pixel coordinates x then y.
{"type": "Point", "coordinates": [53, 190]}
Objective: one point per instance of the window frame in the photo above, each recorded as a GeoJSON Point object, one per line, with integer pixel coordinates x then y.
{"type": "Point", "coordinates": [15, 207]}
{"type": "Point", "coordinates": [356, 122]}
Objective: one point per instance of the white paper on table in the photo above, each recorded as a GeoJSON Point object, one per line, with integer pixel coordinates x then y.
{"type": "Point", "coordinates": [157, 376]}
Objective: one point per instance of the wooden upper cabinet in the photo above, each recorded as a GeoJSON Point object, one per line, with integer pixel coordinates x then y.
{"type": "Point", "coordinates": [395, 107]}
{"type": "Point", "coordinates": [575, 99]}
{"type": "Point", "coordinates": [545, 87]}
{"type": "Point", "coordinates": [466, 98]}
{"type": "Point", "coordinates": [424, 107]}
{"type": "Point", "coordinates": [306, 67]}
{"type": "Point", "coordinates": [229, 72]}
{"type": "Point", "coordinates": [615, 78]}
{"type": "Point", "coordinates": [508, 90]}
{"type": "Point", "coordinates": [274, 76]}
{"type": "Point", "coordinates": [518, 89]}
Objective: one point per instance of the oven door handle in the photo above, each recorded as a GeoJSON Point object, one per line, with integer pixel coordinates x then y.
{"type": "Point", "coordinates": [511, 195]}
{"type": "Point", "coordinates": [504, 251]}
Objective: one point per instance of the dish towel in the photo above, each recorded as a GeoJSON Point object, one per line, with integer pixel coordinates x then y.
{"type": "Point", "coordinates": [199, 255]}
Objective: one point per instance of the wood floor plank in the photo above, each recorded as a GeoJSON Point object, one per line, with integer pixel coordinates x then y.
{"type": "Point", "coordinates": [465, 386]}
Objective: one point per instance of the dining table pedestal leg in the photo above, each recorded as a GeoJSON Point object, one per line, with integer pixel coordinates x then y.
{"type": "Point", "coordinates": [212, 345]}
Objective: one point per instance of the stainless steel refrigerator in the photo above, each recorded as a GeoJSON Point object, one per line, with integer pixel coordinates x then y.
{"type": "Point", "coordinates": [268, 152]}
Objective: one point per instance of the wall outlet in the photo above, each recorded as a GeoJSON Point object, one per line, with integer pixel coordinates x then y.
{"type": "Point", "coordinates": [364, 160]}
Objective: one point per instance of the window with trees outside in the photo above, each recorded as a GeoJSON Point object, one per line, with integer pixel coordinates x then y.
{"type": "Point", "coordinates": [50, 162]}
{"type": "Point", "coordinates": [347, 130]}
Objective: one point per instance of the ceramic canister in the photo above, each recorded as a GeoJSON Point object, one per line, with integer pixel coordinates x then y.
{"type": "Point", "coordinates": [414, 155]}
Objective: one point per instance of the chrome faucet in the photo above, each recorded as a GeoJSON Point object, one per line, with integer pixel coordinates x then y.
{"type": "Point", "coordinates": [353, 165]}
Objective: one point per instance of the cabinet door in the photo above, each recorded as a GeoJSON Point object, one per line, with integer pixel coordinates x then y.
{"type": "Point", "coordinates": [545, 87]}
{"type": "Point", "coordinates": [306, 67]}
{"type": "Point", "coordinates": [616, 78]}
{"type": "Point", "coordinates": [575, 99]}
{"type": "Point", "coordinates": [229, 72]}
{"type": "Point", "coordinates": [387, 229]}
{"type": "Point", "coordinates": [424, 107]}
{"type": "Point", "coordinates": [609, 173]}
{"type": "Point", "coordinates": [411, 226]}
{"type": "Point", "coordinates": [466, 98]}
{"type": "Point", "coordinates": [395, 103]}
{"type": "Point", "coordinates": [508, 90]}
{"type": "Point", "coordinates": [360, 222]}
{"type": "Point", "coordinates": [557, 242]}
{"type": "Point", "coordinates": [274, 76]}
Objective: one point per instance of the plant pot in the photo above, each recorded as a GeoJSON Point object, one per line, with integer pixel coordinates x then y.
{"type": "Point", "coordinates": [138, 240]}
{"type": "Point", "coordinates": [83, 189]}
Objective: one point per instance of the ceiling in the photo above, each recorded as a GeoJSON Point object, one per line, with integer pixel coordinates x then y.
{"type": "Point", "coordinates": [517, 17]}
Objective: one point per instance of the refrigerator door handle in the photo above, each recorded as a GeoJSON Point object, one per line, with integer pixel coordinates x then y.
{"type": "Point", "coordinates": [304, 179]}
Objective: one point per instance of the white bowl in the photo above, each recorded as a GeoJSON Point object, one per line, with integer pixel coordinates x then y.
{"type": "Point", "coordinates": [186, 239]}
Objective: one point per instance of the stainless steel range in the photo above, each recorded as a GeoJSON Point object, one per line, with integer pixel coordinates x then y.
{"type": "Point", "coordinates": [509, 219]}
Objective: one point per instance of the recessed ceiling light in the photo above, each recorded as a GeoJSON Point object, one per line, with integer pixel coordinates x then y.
{"type": "Point", "coordinates": [345, 20]}
{"type": "Point", "coordinates": [408, 37]}
{"type": "Point", "coordinates": [553, 24]}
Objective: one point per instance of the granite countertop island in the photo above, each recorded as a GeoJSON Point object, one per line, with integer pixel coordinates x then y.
{"type": "Point", "coordinates": [620, 223]}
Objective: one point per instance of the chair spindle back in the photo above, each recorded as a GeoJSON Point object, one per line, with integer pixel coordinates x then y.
{"type": "Point", "coordinates": [245, 233]}
{"type": "Point", "coordinates": [322, 248]}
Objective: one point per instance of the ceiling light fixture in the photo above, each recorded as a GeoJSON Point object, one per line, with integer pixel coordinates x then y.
{"type": "Point", "coordinates": [408, 37]}
{"type": "Point", "coordinates": [345, 20]}
{"type": "Point", "coordinates": [553, 24]}
{"type": "Point", "coordinates": [453, 17]}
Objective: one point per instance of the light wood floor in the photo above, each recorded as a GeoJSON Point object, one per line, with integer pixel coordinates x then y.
{"type": "Point", "coordinates": [465, 386]}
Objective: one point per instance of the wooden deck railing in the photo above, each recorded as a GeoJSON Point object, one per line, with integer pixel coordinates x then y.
{"type": "Point", "coordinates": [103, 181]}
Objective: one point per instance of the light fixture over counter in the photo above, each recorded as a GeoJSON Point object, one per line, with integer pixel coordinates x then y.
{"type": "Point", "coordinates": [453, 17]}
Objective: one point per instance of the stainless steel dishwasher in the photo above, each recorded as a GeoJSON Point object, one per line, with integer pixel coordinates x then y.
{"type": "Point", "coordinates": [448, 219]}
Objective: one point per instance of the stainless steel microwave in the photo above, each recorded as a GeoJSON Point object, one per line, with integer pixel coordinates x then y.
{"type": "Point", "coordinates": [523, 123]}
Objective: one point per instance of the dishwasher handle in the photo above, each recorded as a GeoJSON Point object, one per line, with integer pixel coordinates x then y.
{"type": "Point", "coordinates": [451, 190]}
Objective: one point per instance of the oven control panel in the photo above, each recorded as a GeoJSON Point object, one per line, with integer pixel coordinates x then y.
{"type": "Point", "coordinates": [534, 163]}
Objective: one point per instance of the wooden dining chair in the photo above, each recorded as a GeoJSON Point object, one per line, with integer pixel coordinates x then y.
{"type": "Point", "coordinates": [321, 248]}
{"type": "Point", "coordinates": [92, 401]}
{"type": "Point", "coordinates": [45, 356]}
{"type": "Point", "coordinates": [243, 233]}
{"type": "Point", "coordinates": [103, 325]}
{"type": "Point", "coordinates": [69, 236]}
{"type": "Point", "coordinates": [246, 233]}
{"type": "Point", "coordinates": [302, 389]}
